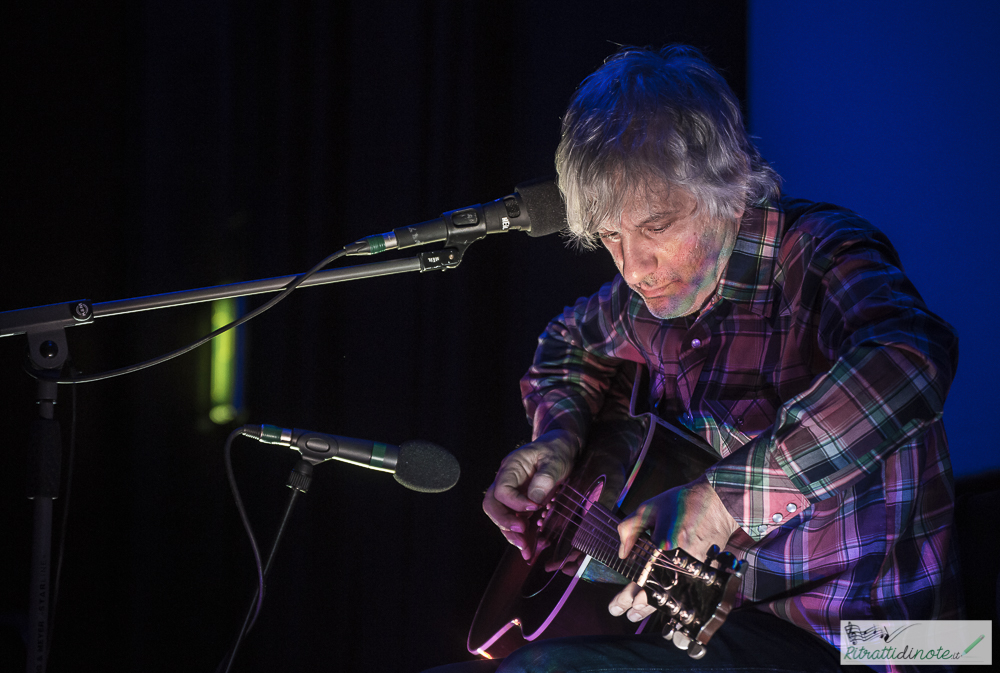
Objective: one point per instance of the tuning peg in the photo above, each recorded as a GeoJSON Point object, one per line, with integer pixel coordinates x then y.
{"type": "Point", "coordinates": [685, 642]}
{"type": "Point", "coordinates": [727, 561]}
{"type": "Point", "coordinates": [713, 551]}
{"type": "Point", "coordinates": [696, 650]}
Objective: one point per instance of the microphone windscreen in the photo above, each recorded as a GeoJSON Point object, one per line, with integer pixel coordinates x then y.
{"type": "Point", "coordinates": [544, 203]}
{"type": "Point", "coordinates": [425, 467]}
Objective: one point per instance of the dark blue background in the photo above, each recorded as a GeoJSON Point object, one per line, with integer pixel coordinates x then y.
{"type": "Point", "coordinates": [891, 110]}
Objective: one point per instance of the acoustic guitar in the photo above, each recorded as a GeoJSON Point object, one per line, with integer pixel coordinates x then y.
{"type": "Point", "coordinates": [524, 601]}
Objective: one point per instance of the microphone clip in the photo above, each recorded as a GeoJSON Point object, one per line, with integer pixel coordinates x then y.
{"type": "Point", "coordinates": [441, 260]}
{"type": "Point", "coordinates": [464, 227]}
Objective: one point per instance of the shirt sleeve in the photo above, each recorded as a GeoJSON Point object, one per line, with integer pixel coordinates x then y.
{"type": "Point", "coordinates": [577, 360]}
{"type": "Point", "coordinates": [892, 365]}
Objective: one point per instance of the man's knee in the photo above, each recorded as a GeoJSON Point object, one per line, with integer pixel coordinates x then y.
{"type": "Point", "coordinates": [595, 653]}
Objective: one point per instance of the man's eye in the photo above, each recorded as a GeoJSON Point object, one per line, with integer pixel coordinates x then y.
{"type": "Point", "coordinates": [612, 236]}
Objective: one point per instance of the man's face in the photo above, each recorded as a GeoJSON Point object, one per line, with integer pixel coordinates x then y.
{"type": "Point", "coordinates": [672, 256]}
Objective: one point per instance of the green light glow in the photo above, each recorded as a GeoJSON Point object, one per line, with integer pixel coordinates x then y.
{"type": "Point", "coordinates": [221, 414]}
{"type": "Point", "coordinates": [223, 385]}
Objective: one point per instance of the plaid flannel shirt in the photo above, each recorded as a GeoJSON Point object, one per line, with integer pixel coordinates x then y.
{"type": "Point", "coordinates": [819, 376]}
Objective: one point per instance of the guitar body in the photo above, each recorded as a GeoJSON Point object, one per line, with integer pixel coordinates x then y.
{"type": "Point", "coordinates": [567, 606]}
{"type": "Point", "coordinates": [525, 602]}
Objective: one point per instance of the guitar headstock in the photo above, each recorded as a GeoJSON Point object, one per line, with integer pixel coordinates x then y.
{"type": "Point", "coordinates": [694, 597]}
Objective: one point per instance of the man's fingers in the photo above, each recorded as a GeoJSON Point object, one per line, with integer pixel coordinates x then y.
{"type": "Point", "coordinates": [505, 518]}
{"type": "Point", "coordinates": [507, 488]}
{"type": "Point", "coordinates": [526, 479]}
{"type": "Point", "coordinates": [510, 524]}
{"type": "Point", "coordinates": [509, 491]}
{"type": "Point", "coordinates": [513, 538]}
{"type": "Point", "coordinates": [540, 487]}
{"type": "Point", "coordinates": [640, 608]}
{"type": "Point", "coordinates": [631, 601]}
{"type": "Point", "coordinates": [514, 489]}
{"type": "Point", "coordinates": [549, 472]}
{"type": "Point", "coordinates": [630, 529]}
{"type": "Point", "coordinates": [624, 599]}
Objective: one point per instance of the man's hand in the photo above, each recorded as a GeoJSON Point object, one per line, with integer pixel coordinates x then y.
{"type": "Point", "coordinates": [526, 479]}
{"type": "Point", "coordinates": [691, 517]}
{"type": "Point", "coordinates": [632, 602]}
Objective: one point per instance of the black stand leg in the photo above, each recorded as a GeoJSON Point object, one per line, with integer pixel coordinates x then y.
{"type": "Point", "coordinates": [44, 467]}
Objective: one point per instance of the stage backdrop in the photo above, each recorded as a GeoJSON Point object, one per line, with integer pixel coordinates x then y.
{"type": "Point", "coordinates": [160, 146]}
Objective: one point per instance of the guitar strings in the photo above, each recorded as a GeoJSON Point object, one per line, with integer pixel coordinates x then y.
{"type": "Point", "coordinates": [610, 521]}
{"type": "Point", "coordinates": [592, 525]}
{"type": "Point", "coordinates": [591, 528]}
{"type": "Point", "coordinates": [596, 516]}
{"type": "Point", "coordinates": [597, 524]}
{"type": "Point", "coordinates": [639, 556]}
{"type": "Point", "coordinates": [588, 539]}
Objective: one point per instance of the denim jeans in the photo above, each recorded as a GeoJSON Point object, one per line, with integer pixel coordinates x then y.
{"type": "Point", "coordinates": [748, 641]}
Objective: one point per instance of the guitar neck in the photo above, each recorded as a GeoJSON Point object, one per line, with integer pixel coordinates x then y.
{"type": "Point", "coordinates": [597, 536]}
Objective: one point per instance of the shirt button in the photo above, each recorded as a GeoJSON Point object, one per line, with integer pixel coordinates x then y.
{"type": "Point", "coordinates": [777, 518]}
{"type": "Point", "coordinates": [695, 343]}
{"type": "Point", "coordinates": [761, 529]}
{"type": "Point", "coordinates": [739, 421]}
{"type": "Point", "coordinates": [791, 507]}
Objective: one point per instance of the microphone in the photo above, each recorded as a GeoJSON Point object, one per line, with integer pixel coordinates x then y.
{"type": "Point", "coordinates": [416, 464]}
{"type": "Point", "coordinates": [535, 207]}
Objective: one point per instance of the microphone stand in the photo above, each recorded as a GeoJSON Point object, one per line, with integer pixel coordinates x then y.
{"type": "Point", "coordinates": [48, 350]}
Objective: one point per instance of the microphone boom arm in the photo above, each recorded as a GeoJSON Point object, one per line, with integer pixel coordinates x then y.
{"type": "Point", "coordinates": [42, 324]}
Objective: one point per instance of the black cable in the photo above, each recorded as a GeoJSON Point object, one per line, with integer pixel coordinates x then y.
{"type": "Point", "coordinates": [246, 522]}
{"type": "Point", "coordinates": [184, 349]}
{"type": "Point", "coordinates": [299, 484]}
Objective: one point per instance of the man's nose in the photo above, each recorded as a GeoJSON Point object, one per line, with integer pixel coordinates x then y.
{"type": "Point", "coordinates": [638, 258]}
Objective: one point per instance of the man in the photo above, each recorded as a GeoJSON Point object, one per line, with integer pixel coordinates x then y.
{"type": "Point", "coordinates": [782, 332]}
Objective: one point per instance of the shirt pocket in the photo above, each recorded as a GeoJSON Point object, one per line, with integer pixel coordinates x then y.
{"type": "Point", "coordinates": [744, 418]}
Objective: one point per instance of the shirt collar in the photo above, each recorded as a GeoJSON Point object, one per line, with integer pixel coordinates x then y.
{"type": "Point", "coordinates": [750, 272]}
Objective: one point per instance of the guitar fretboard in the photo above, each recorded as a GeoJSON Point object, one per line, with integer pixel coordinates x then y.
{"type": "Point", "coordinates": [596, 534]}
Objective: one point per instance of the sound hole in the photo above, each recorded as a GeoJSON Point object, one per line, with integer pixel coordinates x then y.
{"type": "Point", "coordinates": [561, 520]}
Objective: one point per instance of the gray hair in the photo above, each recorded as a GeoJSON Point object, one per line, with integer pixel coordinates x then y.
{"type": "Point", "coordinates": [647, 120]}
